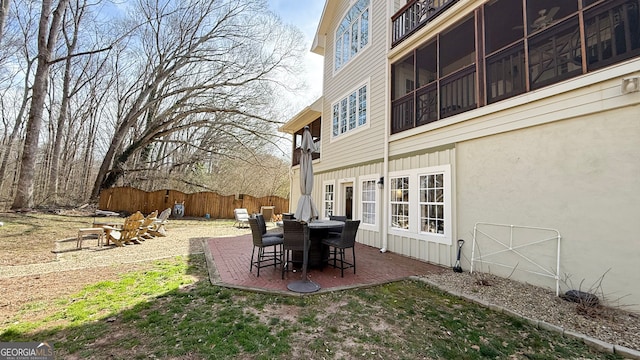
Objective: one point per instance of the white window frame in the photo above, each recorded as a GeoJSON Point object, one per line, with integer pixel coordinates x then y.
{"type": "Point", "coordinates": [344, 110]}
{"type": "Point", "coordinates": [414, 230]}
{"type": "Point", "coordinates": [396, 197]}
{"type": "Point", "coordinates": [325, 201]}
{"type": "Point", "coordinates": [339, 59]}
{"type": "Point", "coordinates": [376, 201]}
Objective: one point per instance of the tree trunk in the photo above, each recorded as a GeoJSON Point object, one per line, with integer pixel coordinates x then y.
{"type": "Point", "coordinates": [4, 12]}
{"type": "Point", "coordinates": [46, 44]}
{"type": "Point", "coordinates": [106, 165]}
{"type": "Point", "coordinates": [57, 144]}
{"type": "Point", "coordinates": [16, 129]}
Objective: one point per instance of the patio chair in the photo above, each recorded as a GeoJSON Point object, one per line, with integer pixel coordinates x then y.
{"type": "Point", "coordinates": [336, 231]}
{"type": "Point", "coordinates": [294, 235]}
{"type": "Point", "coordinates": [128, 234]}
{"type": "Point", "coordinates": [347, 239]}
{"type": "Point", "coordinates": [146, 226]}
{"type": "Point", "coordinates": [269, 248]}
{"type": "Point", "coordinates": [263, 227]}
{"type": "Point", "coordinates": [158, 226]}
{"type": "Point", "coordinates": [242, 217]}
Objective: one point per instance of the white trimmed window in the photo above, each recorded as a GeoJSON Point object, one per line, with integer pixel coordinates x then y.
{"type": "Point", "coordinates": [432, 203]}
{"type": "Point", "coordinates": [400, 202]}
{"type": "Point", "coordinates": [368, 203]}
{"type": "Point", "coordinates": [328, 199]}
{"type": "Point", "coordinates": [352, 35]}
{"type": "Point", "coordinates": [420, 203]}
{"type": "Point", "coordinates": [350, 112]}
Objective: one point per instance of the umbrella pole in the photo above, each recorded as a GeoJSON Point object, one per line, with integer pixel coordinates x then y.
{"type": "Point", "coordinates": [305, 285]}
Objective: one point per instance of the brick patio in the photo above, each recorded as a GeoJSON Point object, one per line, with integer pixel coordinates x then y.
{"type": "Point", "coordinates": [228, 261]}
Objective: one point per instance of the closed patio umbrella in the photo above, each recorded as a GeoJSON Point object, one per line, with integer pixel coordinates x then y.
{"type": "Point", "coordinates": [306, 209]}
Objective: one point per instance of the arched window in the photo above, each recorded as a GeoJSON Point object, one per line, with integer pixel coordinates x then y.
{"type": "Point", "coordinates": [352, 35]}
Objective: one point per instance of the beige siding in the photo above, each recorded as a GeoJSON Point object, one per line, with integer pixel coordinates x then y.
{"type": "Point", "coordinates": [418, 248]}
{"type": "Point", "coordinates": [368, 66]}
{"type": "Point", "coordinates": [366, 235]}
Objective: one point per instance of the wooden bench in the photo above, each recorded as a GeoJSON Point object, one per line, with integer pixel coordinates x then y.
{"type": "Point", "coordinates": [90, 231]}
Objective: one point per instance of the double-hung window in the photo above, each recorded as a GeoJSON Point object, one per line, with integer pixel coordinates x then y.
{"type": "Point", "coordinates": [328, 199]}
{"type": "Point", "coordinates": [400, 202]}
{"type": "Point", "coordinates": [420, 203]}
{"type": "Point", "coordinates": [350, 112]}
{"type": "Point", "coordinates": [352, 35]}
{"type": "Point", "coordinates": [368, 202]}
{"type": "Point", "coordinates": [432, 203]}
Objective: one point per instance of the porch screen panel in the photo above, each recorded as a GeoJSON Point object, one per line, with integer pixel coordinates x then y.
{"type": "Point", "coordinates": [458, 93]}
{"type": "Point", "coordinates": [402, 114]}
{"type": "Point", "coordinates": [506, 74]}
{"type": "Point", "coordinates": [427, 105]}
{"type": "Point", "coordinates": [612, 33]}
{"type": "Point", "coordinates": [555, 55]}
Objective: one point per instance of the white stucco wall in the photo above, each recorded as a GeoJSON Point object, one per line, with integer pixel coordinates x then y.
{"type": "Point", "coordinates": [579, 176]}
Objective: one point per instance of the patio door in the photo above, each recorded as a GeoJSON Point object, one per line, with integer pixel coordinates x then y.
{"type": "Point", "coordinates": [347, 196]}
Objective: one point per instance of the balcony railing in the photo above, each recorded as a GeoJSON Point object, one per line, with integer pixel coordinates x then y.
{"type": "Point", "coordinates": [414, 15]}
{"type": "Point", "coordinates": [297, 152]}
{"type": "Point", "coordinates": [450, 96]}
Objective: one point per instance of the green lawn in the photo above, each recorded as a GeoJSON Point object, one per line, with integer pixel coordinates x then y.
{"type": "Point", "coordinates": [163, 312]}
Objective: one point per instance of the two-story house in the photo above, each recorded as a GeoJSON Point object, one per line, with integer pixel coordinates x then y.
{"type": "Point", "coordinates": [511, 124]}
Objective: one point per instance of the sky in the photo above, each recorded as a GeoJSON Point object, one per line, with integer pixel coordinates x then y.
{"type": "Point", "coordinates": [305, 15]}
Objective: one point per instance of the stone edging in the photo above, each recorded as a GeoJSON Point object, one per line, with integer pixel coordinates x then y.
{"type": "Point", "coordinates": [589, 341]}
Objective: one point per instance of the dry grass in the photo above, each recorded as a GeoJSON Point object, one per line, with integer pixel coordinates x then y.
{"type": "Point", "coordinates": [30, 238]}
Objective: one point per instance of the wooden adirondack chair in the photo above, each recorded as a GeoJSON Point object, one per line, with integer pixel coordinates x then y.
{"type": "Point", "coordinates": [128, 234]}
{"type": "Point", "coordinates": [158, 225]}
{"type": "Point", "coordinates": [145, 227]}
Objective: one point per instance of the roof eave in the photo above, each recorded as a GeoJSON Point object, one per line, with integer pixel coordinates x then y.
{"type": "Point", "coordinates": [305, 117]}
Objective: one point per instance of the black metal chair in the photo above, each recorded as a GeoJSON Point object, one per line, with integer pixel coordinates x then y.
{"type": "Point", "coordinates": [346, 239]}
{"type": "Point", "coordinates": [294, 235]}
{"type": "Point", "coordinates": [271, 256]}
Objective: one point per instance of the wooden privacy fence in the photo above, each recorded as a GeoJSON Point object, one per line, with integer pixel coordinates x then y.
{"type": "Point", "coordinates": [128, 199]}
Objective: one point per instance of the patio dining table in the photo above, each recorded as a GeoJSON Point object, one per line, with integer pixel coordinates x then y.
{"type": "Point", "coordinates": [318, 253]}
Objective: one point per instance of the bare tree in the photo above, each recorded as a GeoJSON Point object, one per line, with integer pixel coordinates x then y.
{"type": "Point", "coordinates": [69, 88]}
{"type": "Point", "coordinates": [186, 85]}
{"type": "Point", "coordinates": [48, 29]}
{"type": "Point", "coordinates": [17, 53]}
{"type": "Point", "coordinates": [4, 13]}
{"type": "Point", "coordinates": [207, 73]}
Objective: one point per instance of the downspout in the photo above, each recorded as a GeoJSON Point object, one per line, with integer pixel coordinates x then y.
{"type": "Point", "coordinates": [385, 174]}
{"type": "Point", "coordinates": [387, 120]}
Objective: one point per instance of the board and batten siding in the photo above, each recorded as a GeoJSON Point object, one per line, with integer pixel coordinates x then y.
{"type": "Point", "coordinates": [367, 235]}
{"type": "Point", "coordinates": [437, 253]}
{"type": "Point", "coordinates": [368, 66]}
